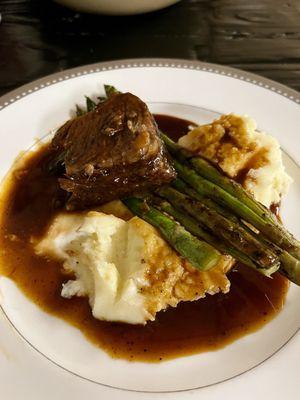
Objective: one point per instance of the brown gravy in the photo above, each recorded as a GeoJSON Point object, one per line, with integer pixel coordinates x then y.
{"type": "Point", "coordinates": [31, 199]}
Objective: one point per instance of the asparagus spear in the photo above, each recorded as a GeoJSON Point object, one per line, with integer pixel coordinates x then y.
{"type": "Point", "coordinates": [208, 171]}
{"type": "Point", "coordinates": [199, 253]}
{"type": "Point", "coordinates": [182, 187]}
{"type": "Point", "coordinates": [232, 195]}
{"type": "Point", "coordinates": [275, 233]}
{"type": "Point", "coordinates": [289, 265]}
{"type": "Point", "coordinates": [79, 111]}
{"type": "Point", "coordinates": [230, 232]}
{"type": "Point", "coordinates": [90, 104]}
{"type": "Point", "coordinates": [109, 90]}
{"type": "Point", "coordinates": [196, 229]}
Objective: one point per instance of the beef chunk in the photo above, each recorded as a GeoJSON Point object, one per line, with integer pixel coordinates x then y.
{"type": "Point", "coordinates": [111, 152]}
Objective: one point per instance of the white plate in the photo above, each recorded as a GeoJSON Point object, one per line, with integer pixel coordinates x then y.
{"type": "Point", "coordinates": [45, 358]}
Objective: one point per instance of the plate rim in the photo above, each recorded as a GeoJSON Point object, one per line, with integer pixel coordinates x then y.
{"type": "Point", "coordinates": [71, 73]}
{"type": "Point", "coordinates": [29, 88]}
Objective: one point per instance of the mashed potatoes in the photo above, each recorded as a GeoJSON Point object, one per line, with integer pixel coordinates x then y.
{"type": "Point", "coordinates": [234, 144]}
{"type": "Point", "coordinates": [126, 269]}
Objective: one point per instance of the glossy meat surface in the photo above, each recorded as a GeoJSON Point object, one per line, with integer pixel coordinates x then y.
{"type": "Point", "coordinates": [111, 152]}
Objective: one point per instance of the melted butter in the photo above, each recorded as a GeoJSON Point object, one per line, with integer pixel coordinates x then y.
{"type": "Point", "coordinates": [30, 200]}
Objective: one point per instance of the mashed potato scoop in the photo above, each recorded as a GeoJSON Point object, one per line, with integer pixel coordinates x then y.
{"type": "Point", "coordinates": [125, 268]}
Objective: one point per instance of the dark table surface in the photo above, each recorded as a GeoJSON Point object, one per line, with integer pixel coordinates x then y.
{"type": "Point", "coordinates": [39, 37]}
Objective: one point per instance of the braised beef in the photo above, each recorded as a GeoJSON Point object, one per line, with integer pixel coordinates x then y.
{"type": "Point", "coordinates": [111, 152]}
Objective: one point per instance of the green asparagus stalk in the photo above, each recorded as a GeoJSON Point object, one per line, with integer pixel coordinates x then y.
{"type": "Point", "coordinates": [275, 233]}
{"type": "Point", "coordinates": [79, 111]}
{"type": "Point", "coordinates": [199, 253]}
{"type": "Point", "coordinates": [178, 152]}
{"type": "Point", "coordinates": [208, 171]}
{"type": "Point", "coordinates": [210, 182]}
{"type": "Point", "coordinates": [196, 229]}
{"type": "Point", "coordinates": [228, 231]}
{"type": "Point", "coordinates": [110, 90]}
{"type": "Point", "coordinates": [182, 187]}
{"type": "Point", "coordinates": [289, 265]}
{"type": "Point", "coordinates": [90, 104]}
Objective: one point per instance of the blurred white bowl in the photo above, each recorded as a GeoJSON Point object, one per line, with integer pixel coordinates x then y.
{"type": "Point", "coordinates": [117, 7]}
